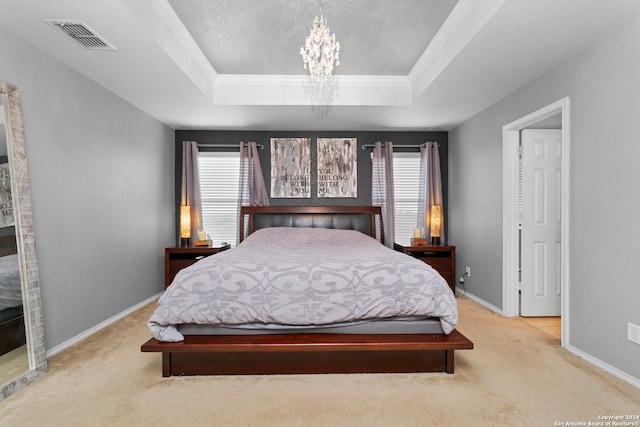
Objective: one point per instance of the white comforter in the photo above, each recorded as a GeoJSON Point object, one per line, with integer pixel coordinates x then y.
{"type": "Point", "coordinates": [303, 276]}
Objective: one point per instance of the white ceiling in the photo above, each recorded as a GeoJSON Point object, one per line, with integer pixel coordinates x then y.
{"type": "Point", "coordinates": [235, 64]}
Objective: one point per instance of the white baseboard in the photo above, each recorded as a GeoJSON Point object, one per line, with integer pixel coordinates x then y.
{"type": "Point", "coordinates": [571, 349]}
{"type": "Point", "coordinates": [480, 301]}
{"type": "Point", "coordinates": [605, 366]}
{"type": "Point", "coordinates": [57, 349]}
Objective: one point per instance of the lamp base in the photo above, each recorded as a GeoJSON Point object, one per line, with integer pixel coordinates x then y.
{"type": "Point", "coordinates": [185, 242]}
{"type": "Point", "coordinates": [435, 241]}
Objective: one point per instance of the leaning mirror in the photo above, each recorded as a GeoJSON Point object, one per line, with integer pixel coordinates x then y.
{"type": "Point", "coordinates": [22, 348]}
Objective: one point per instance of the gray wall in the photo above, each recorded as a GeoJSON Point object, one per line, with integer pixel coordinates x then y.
{"type": "Point", "coordinates": [102, 192]}
{"type": "Point", "coordinates": [604, 90]}
{"type": "Point", "coordinates": [364, 157]}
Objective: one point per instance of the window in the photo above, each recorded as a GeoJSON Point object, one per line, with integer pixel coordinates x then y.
{"type": "Point", "coordinates": [406, 186]}
{"type": "Point", "coordinates": [219, 180]}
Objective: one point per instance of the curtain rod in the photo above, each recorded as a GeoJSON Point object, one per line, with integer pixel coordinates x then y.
{"type": "Point", "coordinates": [365, 146]}
{"type": "Point", "coordinates": [260, 146]}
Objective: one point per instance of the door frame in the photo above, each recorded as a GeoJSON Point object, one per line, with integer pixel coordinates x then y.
{"type": "Point", "coordinates": [510, 239]}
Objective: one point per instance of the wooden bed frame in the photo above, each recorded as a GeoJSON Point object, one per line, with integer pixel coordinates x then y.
{"type": "Point", "coordinates": [12, 334]}
{"type": "Point", "coordinates": [309, 353]}
{"type": "Point", "coordinates": [12, 330]}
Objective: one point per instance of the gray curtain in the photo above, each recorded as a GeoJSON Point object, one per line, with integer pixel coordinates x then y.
{"type": "Point", "coordinates": [382, 188]}
{"type": "Point", "coordinates": [430, 186]}
{"type": "Point", "coordinates": [252, 190]}
{"type": "Point", "coordinates": [190, 192]}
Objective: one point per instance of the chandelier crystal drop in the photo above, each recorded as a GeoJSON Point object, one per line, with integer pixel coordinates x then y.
{"type": "Point", "coordinates": [321, 51]}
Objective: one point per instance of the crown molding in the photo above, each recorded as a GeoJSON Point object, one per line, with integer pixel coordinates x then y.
{"type": "Point", "coordinates": [464, 22]}
{"type": "Point", "coordinates": [234, 89]}
{"type": "Point", "coordinates": [160, 21]}
{"type": "Point", "coordinates": [467, 18]}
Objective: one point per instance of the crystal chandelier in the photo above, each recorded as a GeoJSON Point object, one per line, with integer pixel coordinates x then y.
{"type": "Point", "coordinates": [321, 51]}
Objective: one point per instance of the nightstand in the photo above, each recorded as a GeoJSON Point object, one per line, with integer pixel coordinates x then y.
{"type": "Point", "coordinates": [178, 257]}
{"type": "Point", "coordinates": [441, 257]}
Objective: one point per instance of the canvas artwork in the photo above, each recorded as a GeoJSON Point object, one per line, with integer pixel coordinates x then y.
{"type": "Point", "coordinates": [6, 201]}
{"type": "Point", "coordinates": [290, 167]}
{"type": "Point", "coordinates": [337, 167]}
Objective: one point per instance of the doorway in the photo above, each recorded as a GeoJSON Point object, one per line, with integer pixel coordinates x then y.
{"type": "Point", "coordinates": [511, 218]}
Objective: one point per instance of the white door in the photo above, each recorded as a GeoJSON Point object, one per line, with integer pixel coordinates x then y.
{"type": "Point", "coordinates": [541, 261]}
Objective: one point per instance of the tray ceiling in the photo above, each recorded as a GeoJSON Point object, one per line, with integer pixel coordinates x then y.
{"type": "Point", "coordinates": [235, 64]}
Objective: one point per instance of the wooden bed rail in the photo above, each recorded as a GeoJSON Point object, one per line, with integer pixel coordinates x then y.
{"type": "Point", "coordinates": [308, 353]}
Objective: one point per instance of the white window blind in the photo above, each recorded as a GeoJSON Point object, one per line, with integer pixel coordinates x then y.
{"type": "Point", "coordinates": [406, 186]}
{"type": "Point", "coordinates": [219, 180]}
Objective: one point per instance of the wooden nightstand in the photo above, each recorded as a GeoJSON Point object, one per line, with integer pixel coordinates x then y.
{"type": "Point", "coordinates": [442, 258]}
{"type": "Point", "coordinates": [178, 257]}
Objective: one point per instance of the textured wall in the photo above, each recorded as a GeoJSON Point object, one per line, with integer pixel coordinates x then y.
{"type": "Point", "coordinates": [602, 84]}
{"type": "Point", "coordinates": [102, 192]}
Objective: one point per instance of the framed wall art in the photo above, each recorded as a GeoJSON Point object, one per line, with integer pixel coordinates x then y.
{"type": "Point", "coordinates": [290, 168]}
{"type": "Point", "coordinates": [337, 167]}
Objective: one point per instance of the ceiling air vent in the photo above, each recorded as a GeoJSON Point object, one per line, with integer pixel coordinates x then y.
{"type": "Point", "coordinates": [81, 34]}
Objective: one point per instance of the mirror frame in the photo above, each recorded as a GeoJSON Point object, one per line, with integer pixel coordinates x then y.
{"type": "Point", "coordinates": [25, 241]}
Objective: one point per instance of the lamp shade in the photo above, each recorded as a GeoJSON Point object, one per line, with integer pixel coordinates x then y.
{"type": "Point", "coordinates": [185, 221]}
{"type": "Point", "coordinates": [436, 220]}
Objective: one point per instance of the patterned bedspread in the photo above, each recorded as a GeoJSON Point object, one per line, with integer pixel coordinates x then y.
{"type": "Point", "coordinates": [303, 276]}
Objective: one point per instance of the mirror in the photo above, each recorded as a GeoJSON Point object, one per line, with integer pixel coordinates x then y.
{"type": "Point", "coordinates": [13, 342]}
{"type": "Point", "coordinates": [22, 329]}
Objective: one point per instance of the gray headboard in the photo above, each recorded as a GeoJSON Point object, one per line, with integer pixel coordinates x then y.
{"type": "Point", "coordinates": [366, 219]}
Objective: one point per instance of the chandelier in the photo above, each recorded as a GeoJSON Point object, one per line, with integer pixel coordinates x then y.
{"type": "Point", "coordinates": [321, 51]}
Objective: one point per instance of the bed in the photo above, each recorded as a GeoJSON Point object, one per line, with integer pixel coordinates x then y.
{"type": "Point", "coordinates": [310, 290]}
{"type": "Point", "coordinates": [12, 331]}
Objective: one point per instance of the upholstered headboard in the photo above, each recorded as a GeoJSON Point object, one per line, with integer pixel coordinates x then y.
{"type": "Point", "coordinates": [366, 219]}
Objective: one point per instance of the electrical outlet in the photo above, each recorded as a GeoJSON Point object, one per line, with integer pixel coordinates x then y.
{"type": "Point", "coordinates": [633, 333]}
{"type": "Point", "coordinates": [467, 271]}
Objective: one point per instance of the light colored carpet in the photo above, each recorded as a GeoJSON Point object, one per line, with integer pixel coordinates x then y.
{"type": "Point", "coordinates": [517, 375]}
{"type": "Point", "coordinates": [13, 364]}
